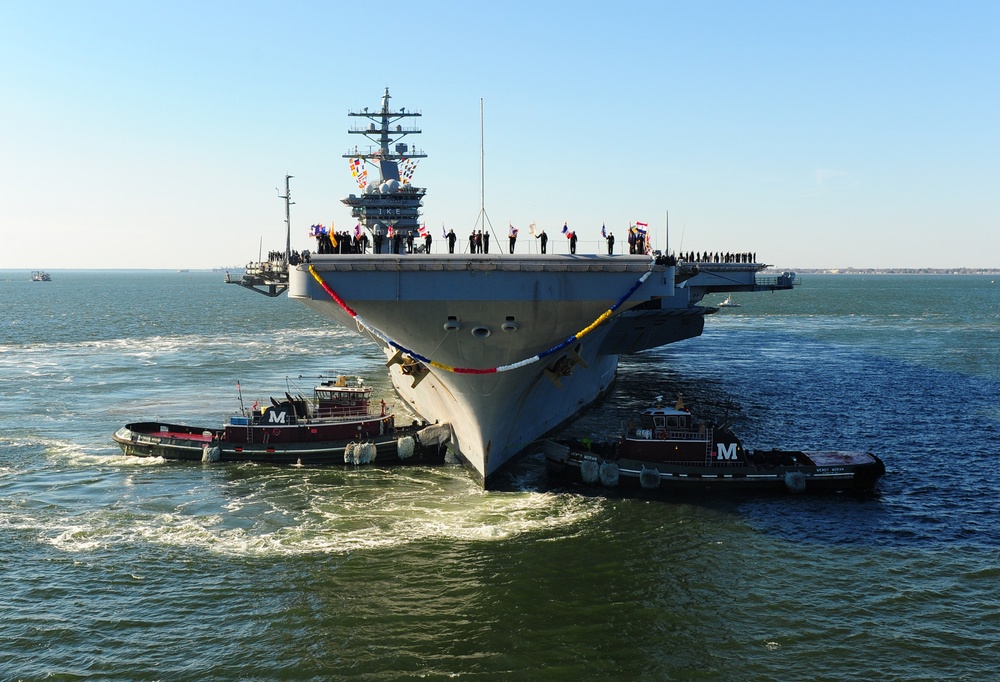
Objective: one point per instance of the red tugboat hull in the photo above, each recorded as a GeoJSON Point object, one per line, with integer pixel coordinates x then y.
{"type": "Point", "coordinates": [411, 445]}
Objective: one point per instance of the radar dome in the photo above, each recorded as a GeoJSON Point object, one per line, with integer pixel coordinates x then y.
{"type": "Point", "coordinates": [389, 187]}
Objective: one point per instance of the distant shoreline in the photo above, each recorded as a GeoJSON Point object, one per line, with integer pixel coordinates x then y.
{"type": "Point", "coordinates": [889, 271]}
{"type": "Point", "coordinates": [768, 270]}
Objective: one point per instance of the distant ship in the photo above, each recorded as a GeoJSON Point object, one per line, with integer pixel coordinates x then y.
{"type": "Point", "coordinates": [40, 276]}
{"type": "Point", "coordinates": [504, 348]}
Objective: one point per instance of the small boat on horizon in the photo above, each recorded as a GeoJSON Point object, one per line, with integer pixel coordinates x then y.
{"type": "Point", "coordinates": [337, 425]}
{"type": "Point", "coordinates": [40, 276]}
{"type": "Point", "coordinates": [669, 449]}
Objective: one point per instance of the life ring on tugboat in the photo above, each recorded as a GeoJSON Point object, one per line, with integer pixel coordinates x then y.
{"type": "Point", "coordinates": [276, 432]}
{"type": "Point", "coordinates": [661, 434]}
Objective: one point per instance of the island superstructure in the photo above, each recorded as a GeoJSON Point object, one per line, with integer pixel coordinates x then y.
{"type": "Point", "coordinates": [391, 206]}
{"type": "Point", "coordinates": [503, 348]}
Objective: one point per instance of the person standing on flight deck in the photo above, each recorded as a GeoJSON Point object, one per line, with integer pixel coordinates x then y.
{"type": "Point", "coordinates": [572, 241]}
{"type": "Point", "coordinates": [544, 239]}
{"type": "Point", "coordinates": [611, 243]}
{"type": "Point", "coordinates": [451, 241]}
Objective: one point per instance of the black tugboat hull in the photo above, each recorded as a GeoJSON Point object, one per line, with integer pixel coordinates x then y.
{"type": "Point", "coordinates": [779, 471]}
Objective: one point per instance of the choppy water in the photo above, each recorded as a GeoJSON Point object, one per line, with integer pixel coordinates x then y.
{"type": "Point", "coordinates": [116, 568]}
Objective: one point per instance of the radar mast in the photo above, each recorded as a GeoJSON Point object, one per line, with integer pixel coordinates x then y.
{"type": "Point", "coordinates": [391, 204]}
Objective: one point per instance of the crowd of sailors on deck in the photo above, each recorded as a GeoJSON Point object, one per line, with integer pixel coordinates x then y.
{"type": "Point", "coordinates": [637, 244]}
{"type": "Point", "coordinates": [479, 242]}
{"type": "Point", "coordinates": [342, 242]}
{"type": "Point", "coordinates": [275, 262]}
{"type": "Point", "coordinates": [410, 242]}
{"type": "Point", "coordinates": [398, 242]}
{"type": "Point", "coordinates": [718, 257]}
{"type": "Point", "coordinates": [401, 243]}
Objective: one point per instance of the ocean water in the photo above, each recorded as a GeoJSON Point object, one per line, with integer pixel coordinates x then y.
{"type": "Point", "coordinates": [127, 568]}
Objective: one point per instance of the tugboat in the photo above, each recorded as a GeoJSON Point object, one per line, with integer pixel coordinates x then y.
{"type": "Point", "coordinates": [669, 449]}
{"type": "Point", "coordinates": [338, 425]}
{"type": "Point", "coordinates": [40, 276]}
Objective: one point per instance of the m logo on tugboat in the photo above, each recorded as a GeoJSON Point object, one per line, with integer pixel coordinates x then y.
{"type": "Point", "coordinates": [276, 416]}
{"type": "Point", "coordinates": [726, 450]}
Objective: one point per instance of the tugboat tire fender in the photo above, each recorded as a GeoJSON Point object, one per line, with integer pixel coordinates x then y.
{"type": "Point", "coordinates": [609, 474]}
{"type": "Point", "coordinates": [405, 447]}
{"type": "Point", "coordinates": [795, 481]}
{"type": "Point", "coordinates": [649, 478]}
{"type": "Point", "coordinates": [211, 453]}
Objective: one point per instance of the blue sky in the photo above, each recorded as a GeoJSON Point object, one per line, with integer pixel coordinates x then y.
{"type": "Point", "coordinates": [850, 134]}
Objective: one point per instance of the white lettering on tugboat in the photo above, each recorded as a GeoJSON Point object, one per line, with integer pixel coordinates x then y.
{"type": "Point", "coordinates": [276, 417]}
{"type": "Point", "coordinates": [726, 451]}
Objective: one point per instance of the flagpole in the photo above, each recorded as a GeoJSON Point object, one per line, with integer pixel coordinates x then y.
{"type": "Point", "coordinates": [482, 162]}
{"type": "Point", "coordinates": [486, 225]}
{"type": "Point", "coordinates": [288, 219]}
{"type": "Point", "coordinates": [666, 218]}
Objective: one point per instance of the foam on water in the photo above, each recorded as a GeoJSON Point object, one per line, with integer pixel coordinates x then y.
{"type": "Point", "coordinates": [269, 511]}
{"type": "Point", "coordinates": [329, 526]}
